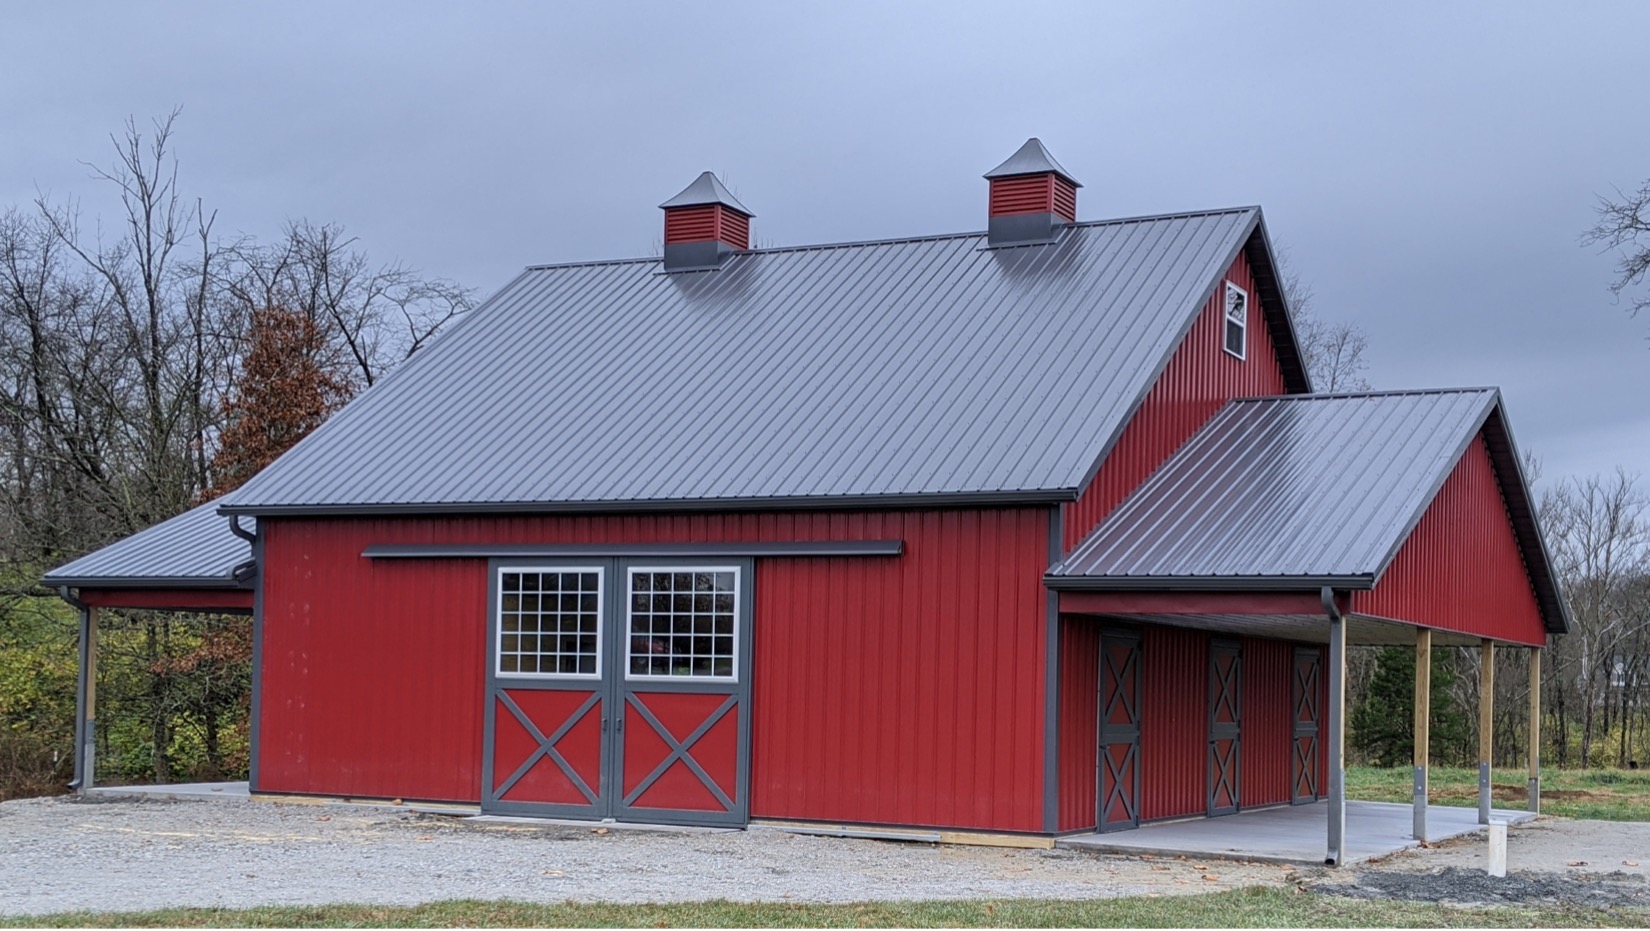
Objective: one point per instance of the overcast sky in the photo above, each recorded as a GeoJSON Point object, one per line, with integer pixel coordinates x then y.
{"type": "Point", "coordinates": [1428, 167]}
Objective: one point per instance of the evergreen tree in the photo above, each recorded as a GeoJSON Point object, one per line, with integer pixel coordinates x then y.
{"type": "Point", "coordinates": [1383, 725]}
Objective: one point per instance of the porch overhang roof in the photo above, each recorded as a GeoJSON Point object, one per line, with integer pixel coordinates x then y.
{"type": "Point", "coordinates": [194, 561]}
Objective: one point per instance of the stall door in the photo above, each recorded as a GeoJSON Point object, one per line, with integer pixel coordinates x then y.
{"type": "Point", "coordinates": [619, 689]}
{"type": "Point", "coordinates": [1119, 757]}
{"type": "Point", "coordinates": [1308, 686]}
{"type": "Point", "coordinates": [1225, 726]}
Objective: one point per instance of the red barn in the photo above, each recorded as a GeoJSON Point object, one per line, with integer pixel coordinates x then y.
{"type": "Point", "coordinates": [1038, 530]}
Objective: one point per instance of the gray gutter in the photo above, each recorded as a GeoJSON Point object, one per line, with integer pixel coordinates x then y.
{"type": "Point", "coordinates": [1033, 498]}
{"type": "Point", "coordinates": [229, 582]}
{"type": "Point", "coordinates": [1205, 583]}
{"type": "Point", "coordinates": [492, 550]}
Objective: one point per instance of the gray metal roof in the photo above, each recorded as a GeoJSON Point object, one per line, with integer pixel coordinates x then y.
{"type": "Point", "coordinates": [1304, 491]}
{"type": "Point", "coordinates": [1031, 159]}
{"type": "Point", "coordinates": [918, 369]}
{"type": "Point", "coordinates": [195, 549]}
{"type": "Point", "coordinates": [706, 189]}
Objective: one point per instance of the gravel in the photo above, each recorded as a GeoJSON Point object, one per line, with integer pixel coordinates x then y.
{"type": "Point", "coordinates": [66, 854]}
{"type": "Point", "coordinates": [121, 854]}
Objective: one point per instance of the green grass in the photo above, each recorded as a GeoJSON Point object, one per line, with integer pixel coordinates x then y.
{"type": "Point", "coordinates": [1602, 794]}
{"type": "Point", "coordinates": [1240, 909]}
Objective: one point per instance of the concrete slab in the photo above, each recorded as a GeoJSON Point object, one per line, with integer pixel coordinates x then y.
{"type": "Point", "coordinates": [179, 790]}
{"type": "Point", "coordinates": [1292, 834]}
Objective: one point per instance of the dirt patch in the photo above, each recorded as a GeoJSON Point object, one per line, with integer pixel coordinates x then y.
{"type": "Point", "coordinates": [1460, 886]}
{"type": "Point", "coordinates": [1520, 795]}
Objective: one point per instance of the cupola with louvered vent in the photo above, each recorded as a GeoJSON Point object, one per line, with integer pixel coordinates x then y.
{"type": "Point", "coordinates": [703, 224]}
{"type": "Point", "coordinates": [1032, 197]}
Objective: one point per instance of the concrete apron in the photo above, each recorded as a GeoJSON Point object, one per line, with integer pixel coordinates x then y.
{"type": "Point", "coordinates": [1294, 834]}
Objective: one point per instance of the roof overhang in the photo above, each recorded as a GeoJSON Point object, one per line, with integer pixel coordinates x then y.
{"type": "Point", "coordinates": [1027, 498]}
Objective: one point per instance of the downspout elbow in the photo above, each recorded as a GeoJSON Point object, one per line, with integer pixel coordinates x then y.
{"type": "Point", "coordinates": [1327, 596]}
{"type": "Point", "coordinates": [239, 531]}
{"type": "Point", "coordinates": [64, 592]}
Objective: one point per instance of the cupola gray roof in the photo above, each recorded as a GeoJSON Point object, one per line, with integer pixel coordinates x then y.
{"type": "Point", "coordinates": [1031, 159]}
{"type": "Point", "coordinates": [706, 189]}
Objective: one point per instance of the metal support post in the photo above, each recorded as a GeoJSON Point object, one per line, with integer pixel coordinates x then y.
{"type": "Point", "coordinates": [1423, 720]}
{"type": "Point", "coordinates": [1486, 727]}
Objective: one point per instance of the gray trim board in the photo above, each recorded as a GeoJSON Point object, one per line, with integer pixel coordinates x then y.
{"type": "Point", "coordinates": [254, 733]}
{"type": "Point", "coordinates": [214, 583]}
{"type": "Point", "coordinates": [1211, 583]}
{"type": "Point", "coordinates": [604, 550]}
{"type": "Point", "coordinates": [1051, 678]}
{"type": "Point", "coordinates": [1028, 498]}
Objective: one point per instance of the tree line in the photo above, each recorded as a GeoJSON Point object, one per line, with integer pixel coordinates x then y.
{"type": "Point", "coordinates": [150, 362]}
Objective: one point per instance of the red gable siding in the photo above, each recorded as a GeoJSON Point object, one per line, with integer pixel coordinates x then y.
{"type": "Point", "coordinates": [901, 690]}
{"type": "Point", "coordinates": [1200, 378]}
{"type": "Point", "coordinates": [1461, 569]}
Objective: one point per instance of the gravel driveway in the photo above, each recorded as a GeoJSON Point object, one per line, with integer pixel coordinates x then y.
{"type": "Point", "coordinates": [63, 854]}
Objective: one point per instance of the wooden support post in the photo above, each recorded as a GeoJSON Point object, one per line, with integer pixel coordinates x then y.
{"type": "Point", "coordinates": [1337, 740]}
{"type": "Point", "coordinates": [1486, 726]}
{"type": "Point", "coordinates": [1535, 730]}
{"type": "Point", "coordinates": [1423, 721]}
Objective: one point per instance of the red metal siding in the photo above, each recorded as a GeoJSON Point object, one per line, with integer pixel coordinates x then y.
{"type": "Point", "coordinates": [1200, 377]}
{"type": "Point", "coordinates": [904, 690]}
{"type": "Point", "coordinates": [1268, 724]}
{"type": "Point", "coordinates": [1174, 731]}
{"type": "Point", "coordinates": [1079, 726]}
{"type": "Point", "coordinates": [1461, 569]}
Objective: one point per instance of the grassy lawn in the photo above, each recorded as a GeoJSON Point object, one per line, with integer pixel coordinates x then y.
{"type": "Point", "coordinates": [1250, 908]}
{"type": "Point", "coordinates": [1604, 794]}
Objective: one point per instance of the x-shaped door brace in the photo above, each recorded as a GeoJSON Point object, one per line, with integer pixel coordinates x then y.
{"type": "Point", "coordinates": [1306, 695]}
{"type": "Point", "coordinates": [679, 751]}
{"type": "Point", "coordinates": [1306, 768]}
{"type": "Point", "coordinates": [1225, 766]}
{"type": "Point", "coordinates": [547, 746]}
{"type": "Point", "coordinates": [1119, 784]}
{"type": "Point", "coordinates": [1226, 693]}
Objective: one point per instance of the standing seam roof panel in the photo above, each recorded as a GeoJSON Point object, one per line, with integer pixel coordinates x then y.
{"type": "Point", "coordinates": [927, 366]}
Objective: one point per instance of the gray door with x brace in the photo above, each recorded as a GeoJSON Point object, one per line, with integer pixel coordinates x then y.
{"type": "Point", "coordinates": [619, 688]}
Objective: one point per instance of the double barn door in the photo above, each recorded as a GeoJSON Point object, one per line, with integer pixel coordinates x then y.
{"type": "Point", "coordinates": [619, 689]}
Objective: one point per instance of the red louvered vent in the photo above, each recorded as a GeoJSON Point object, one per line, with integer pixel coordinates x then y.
{"type": "Point", "coordinates": [691, 224]}
{"type": "Point", "coordinates": [705, 223]}
{"type": "Point", "coordinates": [736, 229]}
{"type": "Point", "coordinates": [1065, 198]}
{"type": "Point", "coordinates": [1024, 194]}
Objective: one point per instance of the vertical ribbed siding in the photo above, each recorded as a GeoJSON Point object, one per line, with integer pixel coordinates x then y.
{"type": "Point", "coordinates": [1174, 732]}
{"type": "Point", "coordinates": [1268, 725]}
{"type": "Point", "coordinates": [905, 690]}
{"type": "Point", "coordinates": [1079, 724]}
{"type": "Point", "coordinates": [1199, 378]}
{"type": "Point", "coordinates": [1461, 569]}
{"type": "Point", "coordinates": [1065, 199]}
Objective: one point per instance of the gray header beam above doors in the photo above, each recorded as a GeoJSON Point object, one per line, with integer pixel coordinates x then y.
{"type": "Point", "coordinates": [819, 548]}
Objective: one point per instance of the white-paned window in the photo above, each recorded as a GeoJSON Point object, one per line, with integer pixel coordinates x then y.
{"type": "Point", "coordinates": [1236, 333]}
{"type": "Point", "coordinates": [684, 622]}
{"type": "Point", "coordinates": [549, 621]}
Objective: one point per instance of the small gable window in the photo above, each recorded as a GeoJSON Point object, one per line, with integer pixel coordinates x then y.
{"type": "Point", "coordinates": [1237, 320]}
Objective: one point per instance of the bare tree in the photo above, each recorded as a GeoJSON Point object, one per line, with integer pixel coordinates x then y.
{"type": "Point", "coordinates": [1599, 531]}
{"type": "Point", "coordinates": [1624, 225]}
{"type": "Point", "coordinates": [1334, 352]}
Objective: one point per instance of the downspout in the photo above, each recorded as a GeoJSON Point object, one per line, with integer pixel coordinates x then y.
{"type": "Point", "coordinates": [239, 531]}
{"type": "Point", "coordinates": [83, 728]}
{"type": "Point", "coordinates": [1337, 727]}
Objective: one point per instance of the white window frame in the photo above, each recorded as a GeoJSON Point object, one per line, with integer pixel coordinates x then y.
{"type": "Point", "coordinates": [1227, 321]}
{"type": "Point", "coordinates": [629, 610]}
{"type": "Point", "coordinates": [599, 572]}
